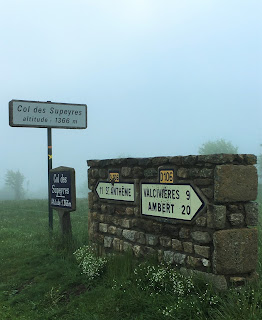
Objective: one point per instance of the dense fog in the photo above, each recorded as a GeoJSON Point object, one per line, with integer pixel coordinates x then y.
{"type": "Point", "coordinates": [158, 78]}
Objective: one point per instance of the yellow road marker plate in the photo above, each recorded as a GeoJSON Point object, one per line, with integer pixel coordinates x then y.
{"type": "Point", "coordinates": [166, 176]}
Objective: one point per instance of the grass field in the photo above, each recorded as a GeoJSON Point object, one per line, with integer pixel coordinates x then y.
{"type": "Point", "coordinates": [41, 279]}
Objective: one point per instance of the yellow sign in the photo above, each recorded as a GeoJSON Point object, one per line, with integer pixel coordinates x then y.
{"type": "Point", "coordinates": [114, 176]}
{"type": "Point", "coordinates": [166, 176]}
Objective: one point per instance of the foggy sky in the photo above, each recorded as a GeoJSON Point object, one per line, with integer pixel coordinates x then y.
{"type": "Point", "coordinates": [158, 77]}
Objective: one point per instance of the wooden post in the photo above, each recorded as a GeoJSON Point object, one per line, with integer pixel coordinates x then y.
{"type": "Point", "coordinates": [65, 222]}
{"type": "Point", "coordinates": [62, 196]}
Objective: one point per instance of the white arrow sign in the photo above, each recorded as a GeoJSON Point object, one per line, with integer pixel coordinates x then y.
{"type": "Point", "coordinates": [177, 201]}
{"type": "Point", "coordinates": [118, 191]}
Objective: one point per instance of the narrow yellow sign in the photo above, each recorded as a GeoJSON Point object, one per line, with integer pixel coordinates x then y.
{"type": "Point", "coordinates": [114, 176]}
{"type": "Point", "coordinates": [166, 176]}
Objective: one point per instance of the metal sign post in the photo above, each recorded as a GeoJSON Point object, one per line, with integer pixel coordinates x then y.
{"type": "Point", "coordinates": [37, 114]}
{"type": "Point", "coordinates": [49, 154]}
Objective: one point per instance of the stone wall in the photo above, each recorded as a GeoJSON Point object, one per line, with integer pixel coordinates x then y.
{"type": "Point", "coordinates": [220, 242]}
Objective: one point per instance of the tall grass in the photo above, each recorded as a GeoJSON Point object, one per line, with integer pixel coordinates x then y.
{"type": "Point", "coordinates": [42, 278]}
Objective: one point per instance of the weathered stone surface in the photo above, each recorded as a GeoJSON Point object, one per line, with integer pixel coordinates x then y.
{"type": "Point", "coordinates": [92, 228]}
{"type": "Point", "coordinates": [237, 281]}
{"type": "Point", "coordinates": [129, 211]}
{"type": "Point", "coordinates": [235, 208]}
{"type": "Point", "coordinates": [126, 172]}
{"type": "Point", "coordinates": [188, 247]}
{"type": "Point", "coordinates": [219, 216]}
{"type": "Point", "coordinates": [137, 172]}
{"type": "Point", "coordinates": [151, 240]}
{"type": "Point", "coordinates": [210, 217]}
{"type": "Point", "coordinates": [175, 160]}
{"type": "Point", "coordinates": [116, 220]}
{"type": "Point", "coordinates": [250, 158]}
{"type": "Point", "coordinates": [108, 242]}
{"type": "Point", "coordinates": [170, 230]}
{"type": "Point", "coordinates": [93, 173]}
{"type": "Point", "coordinates": [189, 160]}
{"type": "Point", "coordinates": [119, 232]}
{"type": "Point", "coordinates": [103, 227]}
{"type": "Point", "coordinates": [132, 162]}
{"type": "Point", "coordinates": [127, 246]}
{"type": "Point", "coordinates": [251, 210]}
{"type": "Point", "coordinates": [130, 235]}
{"type": "Point", "coordinates": [203, 182]}
{"type": "Point", "coordinates": [126, 223]}
{"type": "Point", "coordinates": [183, 173]}
{"type": "Point", "coordinates": [218, 281]}
{"type": "Point", "coordinates": [144, 162]}
{"type": "Point", "coordinates": [148, 226]}
{"type": "Point", "coordinates": [150, 173]}
{"type": "Point", "coordinates": [103, 173]}
{"type": "Point", "coordinates": [103, 208]}
{"type": "Point", "coordinates": [149, 251]}
{"type": "Point", "coordinates": [116, 244]}
{"type": "Point", "coordinates": [93, 216]}
{"type": "Point", "coordinates": [217, 158]}
{"type": "Point", "coordinates": [108, 218]}
{"type": "Point", "coordinates": [236, 219]}
{"type": "Point", "coordinates": [111, 229]}
{"type": "Point", "coordinates": [206, 263]}
{"type": "Point", "coordinates": [179, 258]}
{"type": "Point", "coordinates": [235, 251]}
{"type": "Point", "coordinates": [96, 206]}
{"type": "Point", "coordinates": [91, 184]}
{"type": "Point", "coordinates": [138, 251]}
{"type": "Point", "coordinates": [90, 200]}
{"type": "Point", "coordinates": [235, 183]}
{"type": "Point", "coordinates": [101, 217]}
{"type": "Point", "coordinates": [193, 262]}
{"type": "Point", "coordinates": [201, 237]}
{"type": "Point", "coordinates": [157, 161]}
{"type": "Point", "coordinates": [92, 163]}
{"type": "Point", "coordinates": [160, 255]}
{"type": "Point", "coordinates": [168, 257]}
{"type": "Point", "coordinates": [201, 173]}
{"type": "Point", "coordinates": [202, 250]}
{"type": "Point", "coordinates": [137, 211]}
{"type": "Point", "coordinates": [98, 237]}
{"type": "Point", "coordinates": [201, 221]}
{"type": "Point", "coordinates": [141, 238]}
{"type": "Point", "coordinates": [208, 192]}
{"type": "Point", "coordinates": [177, 245]}
{"type": "Point", "coordinates": [184, 233]}
{"type": "Point", "coordinates": [120, 211]}
{"type": "Point", "coordinates": [175, 241]}
{"type": "Point", "coordinates": [193, 173]}
{"type": "Point", "coordinates": [165, 241]}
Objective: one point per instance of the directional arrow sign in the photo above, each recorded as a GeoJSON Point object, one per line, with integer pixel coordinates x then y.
{"type": "Point", "coordinates": [177, 201]}
{"type": "Point", "coordinates": [116, 191]}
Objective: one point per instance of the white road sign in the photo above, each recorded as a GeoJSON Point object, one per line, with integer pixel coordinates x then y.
{"type": "Point", "coordinates": [177, 201]}
{"type": "Point", "coordinates": [47, 114]}
{"type": "Point", "coordinates": [116, 191]}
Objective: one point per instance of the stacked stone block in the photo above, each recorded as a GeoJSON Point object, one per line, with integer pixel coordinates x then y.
{"type": "Point", "coordinates": [220, 243]}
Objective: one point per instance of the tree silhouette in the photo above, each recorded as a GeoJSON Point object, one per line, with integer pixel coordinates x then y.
{"type": "Point", "coordinates": [217, 146]}
{"type": "Point", "coordinates": [15, 181]}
